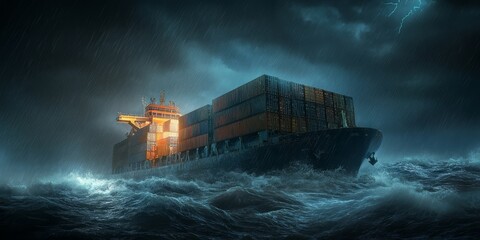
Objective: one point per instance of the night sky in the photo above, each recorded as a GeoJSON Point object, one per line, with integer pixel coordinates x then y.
{"type": "Point", "coordinates": [68, 67]}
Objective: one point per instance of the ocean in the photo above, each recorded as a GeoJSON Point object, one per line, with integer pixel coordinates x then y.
{"type": "Point", "coordinates": [406, 199]}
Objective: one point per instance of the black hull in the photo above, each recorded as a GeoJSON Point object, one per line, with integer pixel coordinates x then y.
{"type": "Point", "coordinates": [344, 148]}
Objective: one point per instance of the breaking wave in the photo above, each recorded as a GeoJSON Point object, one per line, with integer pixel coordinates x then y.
{"type": "Point", "coordinates": [427, 199]}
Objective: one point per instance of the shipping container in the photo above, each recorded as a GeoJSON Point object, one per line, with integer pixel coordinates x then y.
{"type": "Point", "coordinates": [156, 128]}
{"type": "Point", "coordinates": [195, 116]}
{"type": "Point", "coordinates": [338, 101]}
{"type": "Point", "coordinates": [328, 99]}
{"type": "Point", "coordinates": [151, 137]}
{"type": "Point", "coordinates": [310, 110]}
{"type": "Point", "coordinates": [273, 121]}
{"type": "Point", "coordinates": [272, 103]}
{"type": "Point", "coordinates": [163, 148]}
{"type": "Point", "coordinates": [249, 90]}
{"type": "Point", "coordinates": [340, 115]}
{"type": "Point", "coordinates": [256, 87]}
{"type": "Point", "coordinates": [193, 143]}
{"type": "Point", "coordinates": [153, 127]}
{"type": "Point", "coordinates": [240, 111]}
{"type": "Point", "coordinates": [320, 112]}
{"type": "Point", "coordinates": [243, 127]}
{"type": "Point", "coordinates": [194, 130]}
{"type": "Point", "coordinates": [285, 88]}
{"type": "Point", "coordinates": [264, 84]}
{"type": "Point", "coordinates": [285, 106]}
{"type": "Point", "coordinates": [298, 108]}
{"type": "Point", "coordinates": [285, 123]}
{"type": "Point", "coordinates": [169, 126]}
{"type": "Point", "coordinates": [266, 103]}
{"type": "Point", "coordinates": [298, 91]}
{"type": "Point", "coordinates": [299, 125]}
{"type": "Point", "coordinates": [319, 96]}
{"type": "Point", "coordinates": [309, 94]}
{"type": "Point", "coordinates": [166, 146]}
{"type": "Point", "coordinates": [271, 85]}
{"type": "Point", "coordinates": [330, 114]}
{"type": "Point", "coordinates": [351, 119]}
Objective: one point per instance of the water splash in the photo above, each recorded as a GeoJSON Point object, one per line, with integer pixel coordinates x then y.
{"type": "Point", "coordinates": [294, 202]}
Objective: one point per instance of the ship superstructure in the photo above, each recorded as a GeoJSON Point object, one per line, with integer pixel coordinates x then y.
{"type": "Point", "coordinates": [152, 135]}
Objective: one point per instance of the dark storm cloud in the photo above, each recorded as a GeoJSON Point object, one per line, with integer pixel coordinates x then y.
{"type": "Point", "coordinates": [421, 80]}
{"type": "Point", "coordinates": [68, 67]}
{"type": "Point", "coordinates": [63, 66]}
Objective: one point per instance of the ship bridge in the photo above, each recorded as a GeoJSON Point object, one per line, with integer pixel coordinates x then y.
{"type": "Point", "coordinates": [162, 111]}
{"type": "Point", "coordinates": [157, 129]}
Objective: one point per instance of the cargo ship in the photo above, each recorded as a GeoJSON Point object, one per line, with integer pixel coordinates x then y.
{"type": "Point", "coordinates": [265, 124]}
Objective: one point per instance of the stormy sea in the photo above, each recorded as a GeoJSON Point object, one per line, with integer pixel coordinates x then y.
{"type": "Point", "coordinates": [403, 199]}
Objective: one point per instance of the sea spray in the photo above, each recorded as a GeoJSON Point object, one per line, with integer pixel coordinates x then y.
{"type": "Point", "coordinates": [411, 198]}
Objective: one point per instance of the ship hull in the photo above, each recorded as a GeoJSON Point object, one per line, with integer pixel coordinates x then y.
{"type": "Point", "coordinates": [344, 148]}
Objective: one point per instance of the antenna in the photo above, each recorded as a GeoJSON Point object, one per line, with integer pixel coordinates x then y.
{"type": "Point", "coordinates": [152, 100]}
{"type": "Point", "coordinates": [144, 102]}
{"type": "Point", "coordinates": [162, 97]}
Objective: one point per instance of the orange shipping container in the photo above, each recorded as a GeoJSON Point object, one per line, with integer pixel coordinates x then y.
{"type": "Point", "coordinates": [193, 143]}
{"type": "Point", "coordinates": [299, 125]}
{"type": "Point", "coordinates": [250, 107]}
{"type": "Point", "coordinates": [273, 121]}
{"type": "Point", "coordinates": [244, 127]}
{"type": "Point", "coordinates": [285, 123]}
{"type": "Point", "coordinates": [194, 130]}
{"type": "Point", "coordinates": [309, 94]}
{"type": "Point", "coordinates": [162, 147]}
{"type": "Point", "coordinates": [319, 96]}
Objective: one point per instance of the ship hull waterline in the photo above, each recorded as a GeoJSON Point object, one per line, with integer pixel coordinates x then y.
{"type": "Point", "coordinates": [330, 149]}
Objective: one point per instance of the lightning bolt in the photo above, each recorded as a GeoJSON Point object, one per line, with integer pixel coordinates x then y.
{"type": "Point", "coordinates": [395, 8]}
{"type": "Point", "coordinates": [416, 7]}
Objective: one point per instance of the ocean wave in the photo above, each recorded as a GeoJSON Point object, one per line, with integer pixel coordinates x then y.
{"type": "Point", "coordinates": [410, 198]}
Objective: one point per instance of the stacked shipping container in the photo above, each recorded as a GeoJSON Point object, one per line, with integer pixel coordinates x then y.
{"type": "Point", "coordinates": [195, 129]}
{"type": "Point", "coordinates": [251, 108]}
{"type": "Point", "coordinates": [265, 104]}
{"type": "Point", "coordinates": [268, 103]}
{"type": "Point", "coordinates": [161, 138]}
